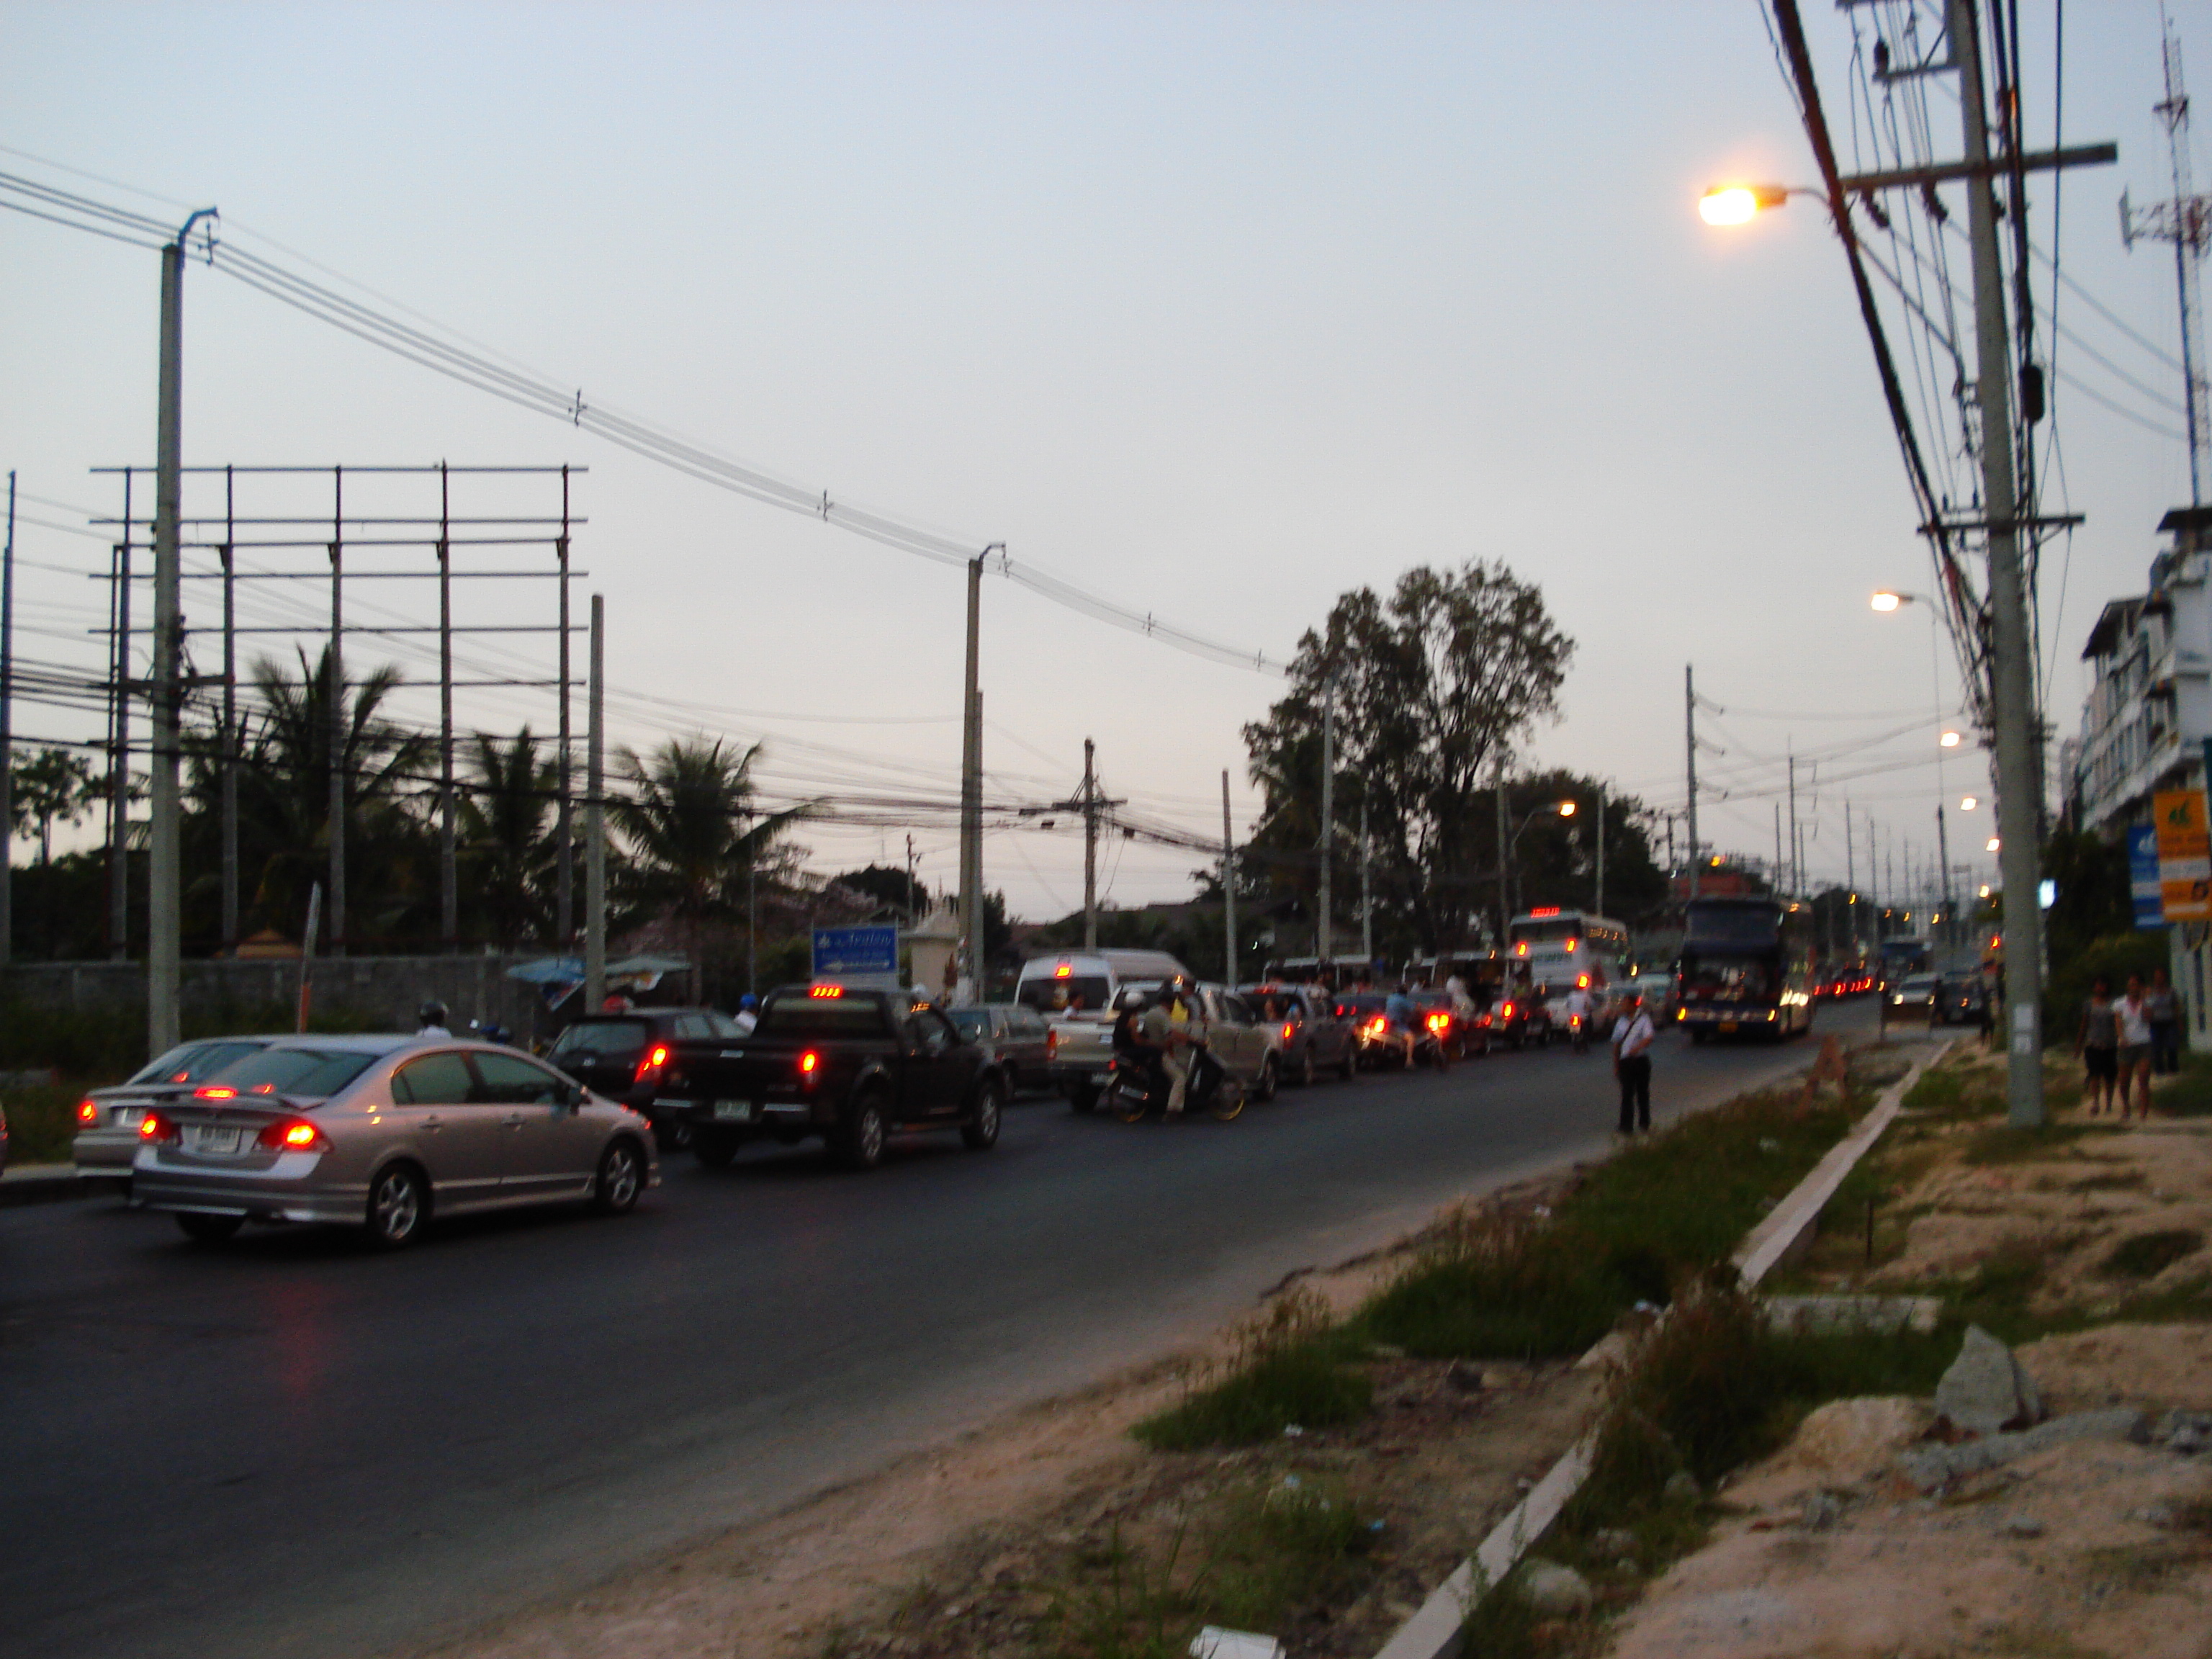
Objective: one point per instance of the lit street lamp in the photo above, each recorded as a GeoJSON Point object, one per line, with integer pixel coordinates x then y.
{"type": "Point", "coordinates": [1739, 204]}
{"type": "Point", "coordinates": [1565, 809]}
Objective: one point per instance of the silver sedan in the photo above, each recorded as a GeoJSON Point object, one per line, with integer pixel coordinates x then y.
{"type": "Point", "coordinates": [382, 1133]}
{"type": "Point", "coordinates": [106, 1142]}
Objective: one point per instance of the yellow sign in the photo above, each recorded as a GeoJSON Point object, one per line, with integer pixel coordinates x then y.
{"type": "Point", "coordinates": [2185, 854]}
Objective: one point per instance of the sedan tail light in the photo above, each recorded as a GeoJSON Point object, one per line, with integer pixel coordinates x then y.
{"type": "Point", "coordinates": [810, 1064]}
{"type": "Point", "coordinates": [159, 1128]}
{"type": "Point", "coordinates": [291, 1135]}
{"type": "Point", "coordinates": [1287, 1034]}
{"type": "Point", "coordinates": [88, 1110]}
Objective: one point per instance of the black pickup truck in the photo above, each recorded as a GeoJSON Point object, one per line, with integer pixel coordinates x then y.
{"type": "Point", "coordinates": [851, 1067]}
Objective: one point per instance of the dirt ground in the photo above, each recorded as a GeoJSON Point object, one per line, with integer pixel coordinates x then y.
{"type": "Point", "coordinates": [2098, 1548]}
{"type": "Point", "coordinates": [958, 1551]}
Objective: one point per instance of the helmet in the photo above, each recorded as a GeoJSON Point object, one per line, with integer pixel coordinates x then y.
{"type": "Point", "coordinates": [749, 1001]}
{"type": "Point", "coordinates": [431, 1013]}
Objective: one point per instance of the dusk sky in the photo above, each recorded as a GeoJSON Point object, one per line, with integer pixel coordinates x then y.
{"type": "Point", "coordinates": [1216, 311]}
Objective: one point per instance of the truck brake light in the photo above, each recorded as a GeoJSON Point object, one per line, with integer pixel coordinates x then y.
{"type": "Point", "coordinates": [808, 1062]}
{"type": "Point", "coordinates": [655, 1058]}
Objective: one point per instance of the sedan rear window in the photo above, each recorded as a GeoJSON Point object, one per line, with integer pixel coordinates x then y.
{"type": "Point", "coordinates": [196, 1062]}
{"type": "Point", "coordinates": [614, 1039]}
{"type": "Point", "coordinates": [312, 1071]}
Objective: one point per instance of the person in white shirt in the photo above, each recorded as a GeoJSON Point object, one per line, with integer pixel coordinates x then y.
{"type": "Point", "coordinates": [430, 1021]}
{"type": "Point", "coordinates": [747, 1014]}
{"type": "Point", "coordinates": [2133, 1012]}
{"type": "Point", "coordinates": [1579, 1014]}
{"type": "Point", "coordinates": [1632, 1038]}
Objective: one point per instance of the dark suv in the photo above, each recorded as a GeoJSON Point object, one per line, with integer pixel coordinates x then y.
{"type": "Point", "coordinates": [622, 1056]}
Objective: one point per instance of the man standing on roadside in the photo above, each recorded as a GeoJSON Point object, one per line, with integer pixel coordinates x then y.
{"type": "Point", "coordinates": [1632, 1037]}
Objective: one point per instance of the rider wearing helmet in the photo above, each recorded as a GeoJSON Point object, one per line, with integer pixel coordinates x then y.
{"type": "Point", "coordinates": [430, 1019]}
{"type": "Point", "coordinates": [1176, 1023]}
{"type": "Point", "coordinates": [747, 1014]}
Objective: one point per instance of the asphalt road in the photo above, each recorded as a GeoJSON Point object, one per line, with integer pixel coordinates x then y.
{"type": "Point", "coordinates": [288, 1446]}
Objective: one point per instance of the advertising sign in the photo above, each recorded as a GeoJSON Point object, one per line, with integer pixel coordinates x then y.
{"type": "Point", "coordinates": [2185, 854]}
{"type": "Point", "coordinates": [2142, 875]}
{"type": "Point", "coordinates": [857, 956]}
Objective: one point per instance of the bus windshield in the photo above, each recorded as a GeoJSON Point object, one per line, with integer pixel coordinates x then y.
{"type": "Point", "coordinates": [1750, 977]}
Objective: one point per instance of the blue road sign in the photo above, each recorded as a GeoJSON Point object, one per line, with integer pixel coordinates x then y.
{"type": "Point", "coordinates": [841, 952]}
{"type": "Point", "coordinates": [2142, 875]}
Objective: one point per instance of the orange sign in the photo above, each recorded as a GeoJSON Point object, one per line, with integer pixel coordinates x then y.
{"type": "Point", "coordinates": [2185, 854]}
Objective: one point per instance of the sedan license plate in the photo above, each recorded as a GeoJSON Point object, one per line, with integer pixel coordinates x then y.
{"type": "Point", "coordinates": [733, 1111]}
{"type": "Point", "coordinates": [1726, 1026]}
{"type": "Point", "coordinates": [208, 1138]}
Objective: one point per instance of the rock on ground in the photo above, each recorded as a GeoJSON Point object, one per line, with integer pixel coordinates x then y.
{"type": "Point", "coordinates": [1986, 1390]}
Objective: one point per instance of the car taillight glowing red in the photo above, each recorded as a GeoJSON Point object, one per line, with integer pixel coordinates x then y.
{"type": "Point", "coordinates": [158, 1128]}
{"type": "Point", "coordinates": [655, 1058]}
{"type": "Point", "coordinates": [1437, 1022]}
{"type": "Point", "coordinates": [293, 1134]}
{"type": "Point", "coordinates": [1375, 1027]}
{"type": "Point", "coordinates": [215, 1091]}
{"type": "Point", "coordinates": [808, 1062]}
{"type": "Point", "coordinates": [1509, 1011]}
{"type": "Point", "coordinates": [1052, 1043]}
{"type": "Point", "coordinates": [1287, 1034]}
{"type": "Point", "coordinates": [88, 1110]}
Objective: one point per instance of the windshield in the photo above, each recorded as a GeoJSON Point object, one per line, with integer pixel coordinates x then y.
{"type": "Point", "coordinates": [617, 1039]}
{"type": "Point", "coordinates": [970, 1023]}
{"type": "Point", "coordinates": [316, 1071]}
{"type": "Point", "coordinates": [1755, 977]}
{"type": "Point", "coordinates": [821, 1017]}
{"type": "Point", "coordinates": [1062, 996]}
{"type": "Point", "coordinates": [1919, 985]}
{"type": "Point", "coordinates": [196, 1062]}
{"type": "Point", "coordinates": [1733, 924]}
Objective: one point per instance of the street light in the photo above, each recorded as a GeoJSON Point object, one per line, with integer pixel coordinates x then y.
{"type": "Point", "coordinates": [1993, 845]}
{"type": "Point", "coordinates": [1565, 809]}
{"type": "Point", "coordinates": [1966, 804]}
{"type": "Point", "coordinates": [1739, 204]}
{"type": "Point", "coordinates": [1949, 740]}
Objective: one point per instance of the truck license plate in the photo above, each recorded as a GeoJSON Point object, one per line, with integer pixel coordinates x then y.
{"type": "Point", "coordinates": [1727, 1026]}
{"type": "Point", "coordinates": [733, 1111]}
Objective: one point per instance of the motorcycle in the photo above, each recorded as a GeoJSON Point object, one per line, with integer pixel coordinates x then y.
{"type": "Point", "coordinates": [1429, 1046]}
{"type": "Point", "coordinates": [1578, 1032]}
{"type": "Point", "coordinates": [1130, 1094]}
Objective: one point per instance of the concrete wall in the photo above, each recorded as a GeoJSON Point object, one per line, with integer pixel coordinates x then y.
{"type": "Point", "coordinates": [385, 989]}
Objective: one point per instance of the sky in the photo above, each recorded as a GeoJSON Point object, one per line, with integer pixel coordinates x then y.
{"type": "Point", "coordinates": [1215, 310]}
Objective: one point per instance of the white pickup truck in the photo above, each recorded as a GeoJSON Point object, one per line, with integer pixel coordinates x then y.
{"type": "Point", "coordinates": [1082, 1047]}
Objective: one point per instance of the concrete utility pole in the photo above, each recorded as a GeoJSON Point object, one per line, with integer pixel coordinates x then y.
{"type": "Point", "coordinates": [165, 851]}
{"type": "Point", "coordinates": [1498, 791]}
{"type": "Point", "coordinates": [1227, 886]}
{"type": "Point", "coordinates": [971, 789]}
{"type": "Point", "coordinates": [1796, 864]}
{"type": "Point", "coordinates": [119, 768]}
{"type": "Point", "coordinates": [1091, 842]}
{"type": "Point", "coordinates": [1690, 720]}
{"type": "Point", "coordinates": [230, 743]}
{"type": "Point", "coordinates": [1943, 864]}
{"type": "Point", "coordinates": [338, 715]}
{"type": "Point", "coordinates": [2018, 746]}
{"type": "Point", "coordinates": [595, 817]}
{"type": "Point", "coordinates": [1366, 889]}
{"type": "Point", "coordinates": [1325, 922]}
{"type": "Point", "coordinates": [449, 881]}
{"type": "Point", "coordinates": [1599, 903]}
{"type": "Point", "coordinates": [7, 734]}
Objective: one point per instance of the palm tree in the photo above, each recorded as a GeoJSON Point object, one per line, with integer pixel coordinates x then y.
{"type": "Point", "coordinates": [693, 833]}
{"type": "Point", "coordinates": [50, 784]}
{"type": "Point", "coordinates": [506, 840]}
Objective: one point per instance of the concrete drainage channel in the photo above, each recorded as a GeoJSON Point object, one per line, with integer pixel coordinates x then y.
{"type": "Point", "coordinates": [1434, 1631]}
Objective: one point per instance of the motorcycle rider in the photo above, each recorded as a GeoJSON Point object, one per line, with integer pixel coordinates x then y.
{"type": "Point", "coordinates": [1134, 1045]}
{"type": "Point", "coordinates": [430, 1020]}
{"type": "Point", "coordinates": [1404, 1017]}
{"type": "Point", "coordinates": [747, 1014]}
{"type": "Point", "coordinates": [1579, 1008]}
{"type": "Point", "coordinates": [1176, 1023]}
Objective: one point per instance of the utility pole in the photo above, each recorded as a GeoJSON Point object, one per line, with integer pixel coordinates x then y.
{"type": "Point", "coordinates": [1325, 923]}
{"type": "Point", "coordinates": [165, 849]}
{"type": "Point", "coordinates": [1228, 887]}
{"type": "Point", "coordinates": [1796, 864]}
{"type": "Point", "coordinates": [1091, 842]}
{"type": "Point", "coordinates": [1366, 889]}
{"type": "Point", "coordinates": [118, 770]}
{"type": "Point", "coordinates": [913, 909]}
{"type": "Point", "coordinates": [230, 737]}
{"type": "Point", "coordinates": [2185, 221]}
{"type": "Point", "coordinates": [1943, 857]}
{"type": "Point", "coordinates": [1690, 718]}
{"type": "Point", "coordinates": [449, 880]}
{"type": "Point", "coordinates": [1780, 881]}
{"type": "Point", "coordinates": [7, 734]}
{"type": "Point", "coordinates": [595, 817]}
{"type": "Point", "coordinates": [2019, 741]}
{"type": "Point", "coordinates": [337, 713]}
{"type": "Point", "coordinates": [971, 790]}
{"type": "Point", "coordinates": [1600, 903]}
{"type": "Point", "coordinates": [1497, 790]}
{"type": "Point", "coordinates": [564, 827]}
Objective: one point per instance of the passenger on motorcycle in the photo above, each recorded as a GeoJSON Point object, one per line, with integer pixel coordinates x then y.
{"type": "Point", "coordinates": [1175, 1023]}
{"type": "Point", "coordinates": [1133, 1046]}
{"type": "Point", "coordinates": [1405, 1019]}
{"type": "Point", "coordinates": [1579, 1008]}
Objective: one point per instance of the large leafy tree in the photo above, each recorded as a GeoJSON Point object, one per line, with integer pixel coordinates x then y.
{"type": "Point", "coordinates": [507, 836]}
{"type": "Point", "coordinates": [49, 787]}
{"type": "Point", "coordinates": [1432, 687]}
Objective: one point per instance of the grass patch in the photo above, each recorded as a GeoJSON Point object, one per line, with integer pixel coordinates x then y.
{"type": "Point", "coordinates": [1290, 1367]}
{"type": "Point", "coordinates": [2148, 1255]}
{"type": "Point", "coordinates": [1647, 1223]}
{"type": "Point", "coordinates": [41, 1122]}
{"type": "Point", "coordinates": [1254, 1559]}
{"type": "Point", "coordinates": [2003, 1144]}
{"type": "Point", "coordinates": [2188, 1094]}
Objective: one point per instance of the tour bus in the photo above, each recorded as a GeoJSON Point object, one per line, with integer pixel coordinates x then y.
{"type": "Point", "coordinates": [1561, 948]}
{"type": "Point", "coordinates": [1746, 968]}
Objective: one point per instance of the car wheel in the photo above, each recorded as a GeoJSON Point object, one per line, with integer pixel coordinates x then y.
{"type": "Point", "coordinates": [399, 1204]}
{"type": "Point", "coordinates": [714, 1150]}
{"type": "Point", "coordinates": [861, 1144]}
{"type": "Point", "coordinates": [208, 1228]}
{"type": "Point", "coordinates": [1263, 1087]}
{"type": "Point", "coordinates": [1308, 1072]}
{"type": "Point", "coordinates": [621, 1179]}
{"type": "Point", "coordinates": [981, 1133]}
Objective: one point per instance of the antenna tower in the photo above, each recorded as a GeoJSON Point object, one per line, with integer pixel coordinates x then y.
{"type": "Point", "coordinates": [2185, 221]}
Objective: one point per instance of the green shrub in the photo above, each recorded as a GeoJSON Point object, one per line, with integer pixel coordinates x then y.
{"type": "Point", "coordinates": [1290, 1367]}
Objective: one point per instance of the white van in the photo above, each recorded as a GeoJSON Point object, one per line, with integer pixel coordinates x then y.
{"type": "Point", "coordinates": [1087, 983]}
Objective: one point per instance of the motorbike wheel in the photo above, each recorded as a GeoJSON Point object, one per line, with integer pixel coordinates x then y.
{"type": "Point", "coordinates": [1228, 1101]}
{"type": "Point", "coordinates": [1126, 1104]}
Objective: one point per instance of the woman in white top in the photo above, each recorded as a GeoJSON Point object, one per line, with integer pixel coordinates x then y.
{"type": "Point", "coordinates": [2133, 1011]}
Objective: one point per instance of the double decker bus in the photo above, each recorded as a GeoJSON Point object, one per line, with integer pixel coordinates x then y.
{"type": "Point", "coordinates": [1746, 968]}
{"type": "Point", "coordinates": [1557, 947]}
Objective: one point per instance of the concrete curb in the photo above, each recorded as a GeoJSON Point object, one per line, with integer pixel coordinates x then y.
{"type": "Point", "coordinates": [1434, 1631]}
{"type": "Point", "coordinates": [44, 1183]}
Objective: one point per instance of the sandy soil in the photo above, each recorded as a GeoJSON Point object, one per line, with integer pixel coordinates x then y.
{"type": "Point", "coordinates": [2092, 1548]}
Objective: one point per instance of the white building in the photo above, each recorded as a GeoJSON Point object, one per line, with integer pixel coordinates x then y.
{"type": "Point", "coordinates": [2148, 716]}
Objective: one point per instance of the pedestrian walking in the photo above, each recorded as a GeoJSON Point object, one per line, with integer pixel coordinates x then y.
{"type": "Point", "coordinates": [1632, 1038]}
{"type": "Point", "coordinates": [2165, 1009]}
{"type": "Point", "coordinates": [2133, 1012]}
{"type": "Point", "coordinates": [2098, 1043]}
